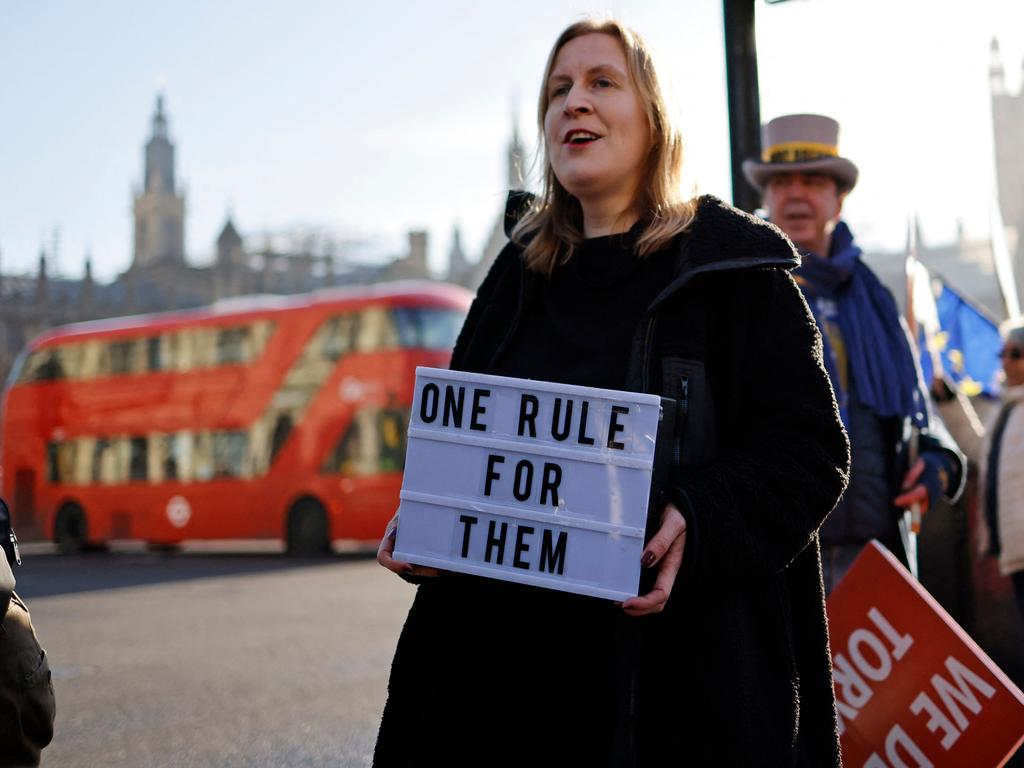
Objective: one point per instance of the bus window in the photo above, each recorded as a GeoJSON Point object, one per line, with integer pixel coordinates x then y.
{"type": "Point", "coordinates": [376, 330]}
{"type": "Point", "coordinates": [392, 424]}
{"type": "Point", "coordinates": [229, 450]}
{"type": "Point", "coordinates": [339, 336]}
{"type": "Point", "coordinates": [242, 343]}
{"type": "Point", "coordinates": [163, 462]}
{"type": "Point", "coordinates": [110, 461]}
{"type": "Point", "coordinates": [138, 463]}
{"type": "Point", "coordinates": [42, 365]}
{"type": "Point", "coordinates": [374, 442]}
{"type": "Point", "coordinates": [52, 464]}
{"type": "Point", "coordinates": [353, 455]}
{"type": "Point", "coordinates": [193, 348]}
{"type": "Point", "coordinates": [70, 461]}
{"type": "Point", "coordinates": [181, 350]}
{"type": "Point", "coordinates": [125, 356]}
{"type": "Point", "coordinates": [231, 345]}
{"type": "Point", "coordinates": [178, 457]}
{"type": "Point", "coordinates": [282, 428]}
{"type": "Point", "coordinates": [74, 459]}
{"type": "Point", "coordinates": [154, 358]}
{"type": "Point", "coordinates": [259, 334]}
{"type": "Point", "coordinates": [202, 456]}
{"type": "Point", "coordinates": [428, 328]}
{"type": "Point", "coordinates": [99, 450]}
{"type": "Point", "coordinates": [95, 360]}
{"type": "Point", "coordinates": [70, 360]}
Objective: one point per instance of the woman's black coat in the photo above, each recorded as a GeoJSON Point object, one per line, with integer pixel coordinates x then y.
{"type": "Point", "coordinates": [736, 671]}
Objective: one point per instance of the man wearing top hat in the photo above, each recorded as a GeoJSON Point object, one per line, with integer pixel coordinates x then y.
{"type": "Point", "coordinates": [867, 352]}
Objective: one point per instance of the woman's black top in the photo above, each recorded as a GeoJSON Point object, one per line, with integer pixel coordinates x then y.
{"type": "Point", "coordinates": [582, 322]}
{"type": "Point", "coordinates": [578, 330]}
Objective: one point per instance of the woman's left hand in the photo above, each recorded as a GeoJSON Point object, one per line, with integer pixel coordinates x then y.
{"type": "Point", "coordinates": [664, 551]}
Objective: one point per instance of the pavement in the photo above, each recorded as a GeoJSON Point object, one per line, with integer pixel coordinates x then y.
{"type": "Point", "coordinates": [214, 659]}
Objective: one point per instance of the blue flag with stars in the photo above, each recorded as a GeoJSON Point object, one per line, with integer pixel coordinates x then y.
{"type": "Point", "coordinates": [967, 342]}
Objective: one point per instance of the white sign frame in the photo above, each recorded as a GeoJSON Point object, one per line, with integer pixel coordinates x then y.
{"type": "Point", "coordinates": [550, 482]}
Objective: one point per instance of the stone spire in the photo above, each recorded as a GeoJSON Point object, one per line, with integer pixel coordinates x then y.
{"type": "Point", "coordinates": [457, 263]}
{"type": "Point", "coordinates": [996, 74]}
{"type": "Point", "coordinates": [159, 154]}
{"type": "Point", "coordinates": [229, 244]}
{"type": "Point", "coordinates": [42, 280]}
{"type": "Point", "coordinates": [159, 209]}
{"type": "Point", "coordinates": [88, 285]}
{"type": "Point", "coordinates": [516, 156]}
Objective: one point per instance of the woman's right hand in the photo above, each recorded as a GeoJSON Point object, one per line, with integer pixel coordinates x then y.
{"type": "Point", "coordinates": [387, 549]}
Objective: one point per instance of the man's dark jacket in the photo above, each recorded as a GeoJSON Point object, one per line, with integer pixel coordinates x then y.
{"type": "Point", "coordinates": [736, 671]}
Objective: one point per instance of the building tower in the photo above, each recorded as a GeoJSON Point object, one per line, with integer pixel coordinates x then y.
{"type": "Point", "coordinates": [1008, 137]}
{"type": "Point", "coordinates": [88, 294]}
{"type": "Point", "coordinates": [515, 157]}
{"type": "Point", "coordinates": [42, 294]}
{"type": "Point", "coordinates": [458, 265]}
{"type": "Point", "coordinates": [160, 208]}
{"type": "Point", "coordinates": [231, 266]}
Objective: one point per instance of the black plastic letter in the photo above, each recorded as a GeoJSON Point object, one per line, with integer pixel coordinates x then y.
{"type": "Point", "coordinates": [614, 426]}
{"type": "Point", "coordinates": [468, 521]}
{"type": "Point", "coordinates": [528, 415]}
{"type": "Point", "coordinates": [478, 410]}
{"type": "Point", "coordinates": [428, 403]}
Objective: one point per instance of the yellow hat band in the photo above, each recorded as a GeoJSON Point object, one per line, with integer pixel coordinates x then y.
{"type": "Point", "coordinates": [798, 152]}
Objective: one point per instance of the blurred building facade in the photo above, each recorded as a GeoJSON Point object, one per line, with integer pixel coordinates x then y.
{"type": "Point", "coordinates": [160, 276]}
{"type": "Point", "coordinates": [968, 264]}
{"type": "Point", "coordinates": [1008, 135]}
{"type": "Point", "coordinates": [471, 274]}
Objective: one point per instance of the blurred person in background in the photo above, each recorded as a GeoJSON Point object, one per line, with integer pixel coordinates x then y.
{"type": "Point", "coordinates": [614, 279]}
{"type": "Point", "coordinates": [27, 706]}
{"type": "Point", "coordinates": [884, 405]}
{"type": "Point", "coordinates": [998, 449]}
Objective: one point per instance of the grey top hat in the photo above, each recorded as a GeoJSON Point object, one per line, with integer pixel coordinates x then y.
{"type": "Point", "coordinates": [804, 143]}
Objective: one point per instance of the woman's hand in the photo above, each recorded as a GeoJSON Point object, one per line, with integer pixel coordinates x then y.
{"type": "Point", "coordinates": [664, 550]}
{"type": "Point", "coordinates": [387, 548]}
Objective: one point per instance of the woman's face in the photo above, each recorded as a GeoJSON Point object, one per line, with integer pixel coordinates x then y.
{"type": "Point", "coordinates": [595, 127]}
{"type": "Point", "coordinates": [1013, 363]}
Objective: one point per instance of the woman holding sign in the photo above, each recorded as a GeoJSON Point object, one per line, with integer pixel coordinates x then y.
{"type": "Point", "coordinates": [612, 279]}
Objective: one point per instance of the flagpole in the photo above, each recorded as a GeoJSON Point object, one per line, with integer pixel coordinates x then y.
{"type": "Point", "coordinates": [1001, 259]}
{"type": "Point", "coordinates": [913, 449]}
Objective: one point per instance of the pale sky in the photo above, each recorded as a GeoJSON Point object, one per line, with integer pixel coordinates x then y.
{"type": "Point", "coordinates": [370, 119]}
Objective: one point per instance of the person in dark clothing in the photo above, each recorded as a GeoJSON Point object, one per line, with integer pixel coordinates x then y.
{"type": "Point", "coordinates": [27, 706]}
{"type": "Point", "coordinates": [611, 279]}
{"type": "Point", "coordinates": [868, 352]}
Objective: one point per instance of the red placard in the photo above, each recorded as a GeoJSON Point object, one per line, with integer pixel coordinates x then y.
{"type": "Point", "coordinates": [912, 688]}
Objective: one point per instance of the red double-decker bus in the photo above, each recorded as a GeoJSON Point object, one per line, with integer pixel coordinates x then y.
{"type": "Point", "coordinates": [259, 417]}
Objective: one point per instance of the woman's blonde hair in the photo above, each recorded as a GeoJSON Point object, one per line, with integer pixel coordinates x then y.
{"type": "Point", "coordinates": [553, 225]}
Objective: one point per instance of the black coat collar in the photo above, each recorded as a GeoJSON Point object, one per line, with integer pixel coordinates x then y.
{"type": "Point", "coordinates": [721, 238]}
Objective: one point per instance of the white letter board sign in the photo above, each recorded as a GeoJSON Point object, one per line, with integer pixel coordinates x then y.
{"type": "Point", "coordinates": [528, 481]}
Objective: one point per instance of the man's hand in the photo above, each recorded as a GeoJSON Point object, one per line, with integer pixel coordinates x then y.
{"type": "Point", "coordinates": [913, 491]}
{"type": "Point", "coordinates": [664, 550]}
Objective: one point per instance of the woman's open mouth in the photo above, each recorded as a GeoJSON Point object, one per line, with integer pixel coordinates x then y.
{"type": "Point", "coordinates": [579, 138]}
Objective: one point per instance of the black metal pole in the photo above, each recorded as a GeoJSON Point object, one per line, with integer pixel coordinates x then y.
{"type": "Point", "coordinates": [744, 99]}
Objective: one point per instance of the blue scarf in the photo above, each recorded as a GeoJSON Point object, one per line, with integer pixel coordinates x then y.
{"type": "Point", "coordinates": [883, 372]}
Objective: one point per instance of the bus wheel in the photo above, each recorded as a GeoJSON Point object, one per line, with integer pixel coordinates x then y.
{"type": "Point", "coordinates": [71, 530]}
{"type": "Point", "coordinates": [308, 533]}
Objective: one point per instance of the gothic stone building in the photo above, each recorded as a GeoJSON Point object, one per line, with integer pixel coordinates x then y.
{"type": "Point", "coordinates": [160, 276]}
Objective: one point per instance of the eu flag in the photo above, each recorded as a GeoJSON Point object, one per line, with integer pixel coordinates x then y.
{"type": "Point", "coordinates": [967, 342]}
